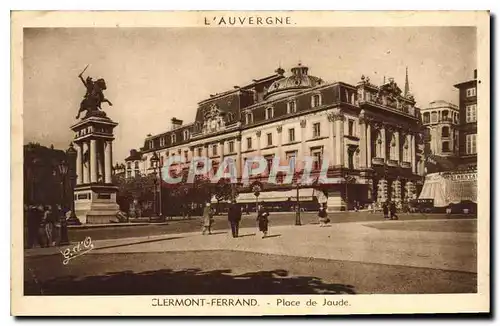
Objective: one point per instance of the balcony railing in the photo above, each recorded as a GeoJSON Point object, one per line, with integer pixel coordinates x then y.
{"type": "Point", "coordinates": [405, 165]}
{"type": "Point", "coordinates": [410, 110]}
{"type": "Point", "coordinates": [377, 161]}
{"type": "Point", "coordinates": [392, 163]}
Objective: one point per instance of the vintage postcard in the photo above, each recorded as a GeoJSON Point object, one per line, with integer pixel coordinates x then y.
{"type": "Point", "coordinates": [250, 163]}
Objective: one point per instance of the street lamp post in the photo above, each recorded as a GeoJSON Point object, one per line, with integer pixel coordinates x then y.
{"type": "Point", "coordinates": [63, 172]}
{"type": "Point", "coordinates": [297, 213]}
{"type": "Point", "coordinates": [155, 160]}
{"type": "Point", "coordinates": [71, 153]}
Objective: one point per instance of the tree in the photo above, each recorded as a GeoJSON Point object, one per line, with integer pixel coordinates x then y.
{"type": "Point", "coordinates": [137, 189]}
{"type": "Point", "coordinates": [223, 191]}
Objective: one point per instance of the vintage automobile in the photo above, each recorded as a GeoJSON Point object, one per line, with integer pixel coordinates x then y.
{"type": "Point", "coordinates": [421, 205]}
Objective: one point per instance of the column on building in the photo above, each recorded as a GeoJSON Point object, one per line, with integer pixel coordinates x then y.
{"type": "Point", "coordinates": [79, 164]}
{"type": "Point", "coordinates": [331, 139]}
{"type": "Point", "coordinates": [362, 141]}
{"type": "Point", "coordinates": [368, 145]}
{"type": "Point", "coordinates": [86, 163]}
{"type": "Point", "coordinates": [339, 137]}
{"type": "Point", "coordinates": [413, 153]}
{"type": "Point", "coordinates": [93, 160]}
{"type": "Point", "coordinates": [108, 161]}
{"type": "Point", "coordinates": [302, 155]}
{"type": "Point", "coordinates": [384, 143]}
{"type": "Point", "coordinates": [238, 156]}
{"type": "Point", "coordinates": [280, 153]}
{"type": "Point", "coordinates": [259, 146]}
{"type": "Point", "coordinates": [397, 151]}
{"type": "Point", "coordinates": [222, 143]}
{"type": "Point", "coordinates": [100, 161]}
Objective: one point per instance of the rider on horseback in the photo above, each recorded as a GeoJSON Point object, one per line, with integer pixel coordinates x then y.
{"type": "Point", "coordinates": [93, 97]}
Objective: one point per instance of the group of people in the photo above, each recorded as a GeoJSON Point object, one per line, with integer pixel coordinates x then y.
{"type": "Point", "coordinates": [44, 224]}
{"type": "Point", "coordinates": [389, 208]}
{"type": "Point", "coordinates": [234, 218]}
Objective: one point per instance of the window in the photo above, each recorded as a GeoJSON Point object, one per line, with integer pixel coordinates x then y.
{"type": "Point", "coordinates": [173, 138]}
{"type": "Point", "coordinates": [151, 144]}
{"type": "Point", "coordinates": [444, 115]}
{"type": "Point", "coordinates": [291, 135]}
{"type": "Point", "coordinates": [427, 117]}
{"type": "Point", "coordinates": [129, 165]}
{"type": "Point", "coordinates": [249, 143]}
{"type": "Point", "coordinates": [162, 141]}
{"type": "Point", "coordinates": [351, 127]}
{"type": "Point", "coordinates": [269, 113]}
{"type": "Point", "coordinates": [186, 134]}
{"type": "Point", "coordinates": [231, 146]}
{"type": "Point", "coordinates": [446, 146]}
{"type": "Point", "coordinates": [230, 117]}
{"type": "Point", "coordinates": [317, 158]}
{"type": "Point", "coordinates": [350, 159]}
{"type": "Point", "coordinates": [434, 117]}
{"type": "Point", "coordinates": [136, 164]}
{"type": "Point", "coordinates": [445, 132]}
{"type": "Point", "coordinates": [214, 149]}
{"type": "Point", "coordinates": [186, 155]}
{"type": "Point", "coordinates": [269, 160]}
{"type": "Point", "coordinates": [291, 159]}
{"type": "Point", "coordinates": [470, 113]}
{"type": "Point", "coordinates": [249, 118]}
{"type": "Point", "coordinates": [269, 139]}
{"type": "Point", "coordinates": [161, 160]}
{"type": "Point", "coordinates": [470, 144]}
{"type": "Point", "coordinates": [291, 108]}
{"type": "Point", "coordinates": [471, 92]}
{"type": "Point", "coordinates": [200, 151]}
{"type": "Point", "coordinates": [129, 174]}
{"type": "Point", "coordinates": [316, 130]}
{"type": "Point", "coordinates": [315, 100]}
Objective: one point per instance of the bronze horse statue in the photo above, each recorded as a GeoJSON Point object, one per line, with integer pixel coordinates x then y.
{"type": "Point", "coordinates": [94, 96]}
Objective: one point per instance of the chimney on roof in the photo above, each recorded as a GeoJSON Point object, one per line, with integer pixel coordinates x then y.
{"type": "Point", "coordinates": [475, 73]}
{"type": "Point", "coordinates": [176, 123]}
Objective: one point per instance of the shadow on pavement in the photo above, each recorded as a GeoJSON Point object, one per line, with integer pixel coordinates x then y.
{"type": "Point", "coordinates": [187, 281]}
{"type": "Point", "coordinates": [246, 235]}
{"type": "Point", "coordinates": [272, 236]}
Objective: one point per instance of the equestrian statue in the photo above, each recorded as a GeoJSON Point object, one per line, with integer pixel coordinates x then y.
{"type": "Point", "coordinates": [93, 97]}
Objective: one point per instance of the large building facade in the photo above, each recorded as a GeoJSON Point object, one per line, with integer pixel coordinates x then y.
{"type": "Point", "coordinates": [451, 165]}
{"type": "Point", "coordinates": [370, 134]}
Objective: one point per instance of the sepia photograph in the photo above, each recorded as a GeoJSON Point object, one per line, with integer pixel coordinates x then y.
{"type": "Point", "coordinates": [247, 156]}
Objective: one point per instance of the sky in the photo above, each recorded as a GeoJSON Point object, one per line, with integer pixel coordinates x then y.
{"type": "Point", "coordinates": [155, 74]}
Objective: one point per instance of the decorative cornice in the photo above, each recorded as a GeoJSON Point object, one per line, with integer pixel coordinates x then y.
{"type": "Point", "coordinates": [303, 123]}
{"type": "Point", "coordinates": [258, 133]}
{"type": "Point", "coordinates": [279, 128]}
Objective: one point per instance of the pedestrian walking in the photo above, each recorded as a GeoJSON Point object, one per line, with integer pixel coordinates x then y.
{"type": "Point", "coordinates": [385, 209]}
{"type": "Point", "coordinates": [207, 219]}
{"type": "Point", "coordinates": [234, 218]}
{"type": "Point", "coordinates": [48, 225]}
{"type": "Point", "coordinates": [323, 217]}
{"type": "Point", "coordinates": [392, 210]}
{"type": "Point", "coordinates": [263, 220]}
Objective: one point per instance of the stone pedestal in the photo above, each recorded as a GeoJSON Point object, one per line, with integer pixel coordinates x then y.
{"type": "Point", "coordinates": [95, 195]}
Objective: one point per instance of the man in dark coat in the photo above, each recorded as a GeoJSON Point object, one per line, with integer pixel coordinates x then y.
{"type": "Point", "coordinates": [385, 209]}
{"type": "Point", "coordinates": [392, 210]}
{"type": "Point", "coordinates": [234, 218]}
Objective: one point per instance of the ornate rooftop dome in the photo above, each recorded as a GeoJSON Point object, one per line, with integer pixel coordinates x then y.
{"type": "Point", "coordinates": [298, 81]}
